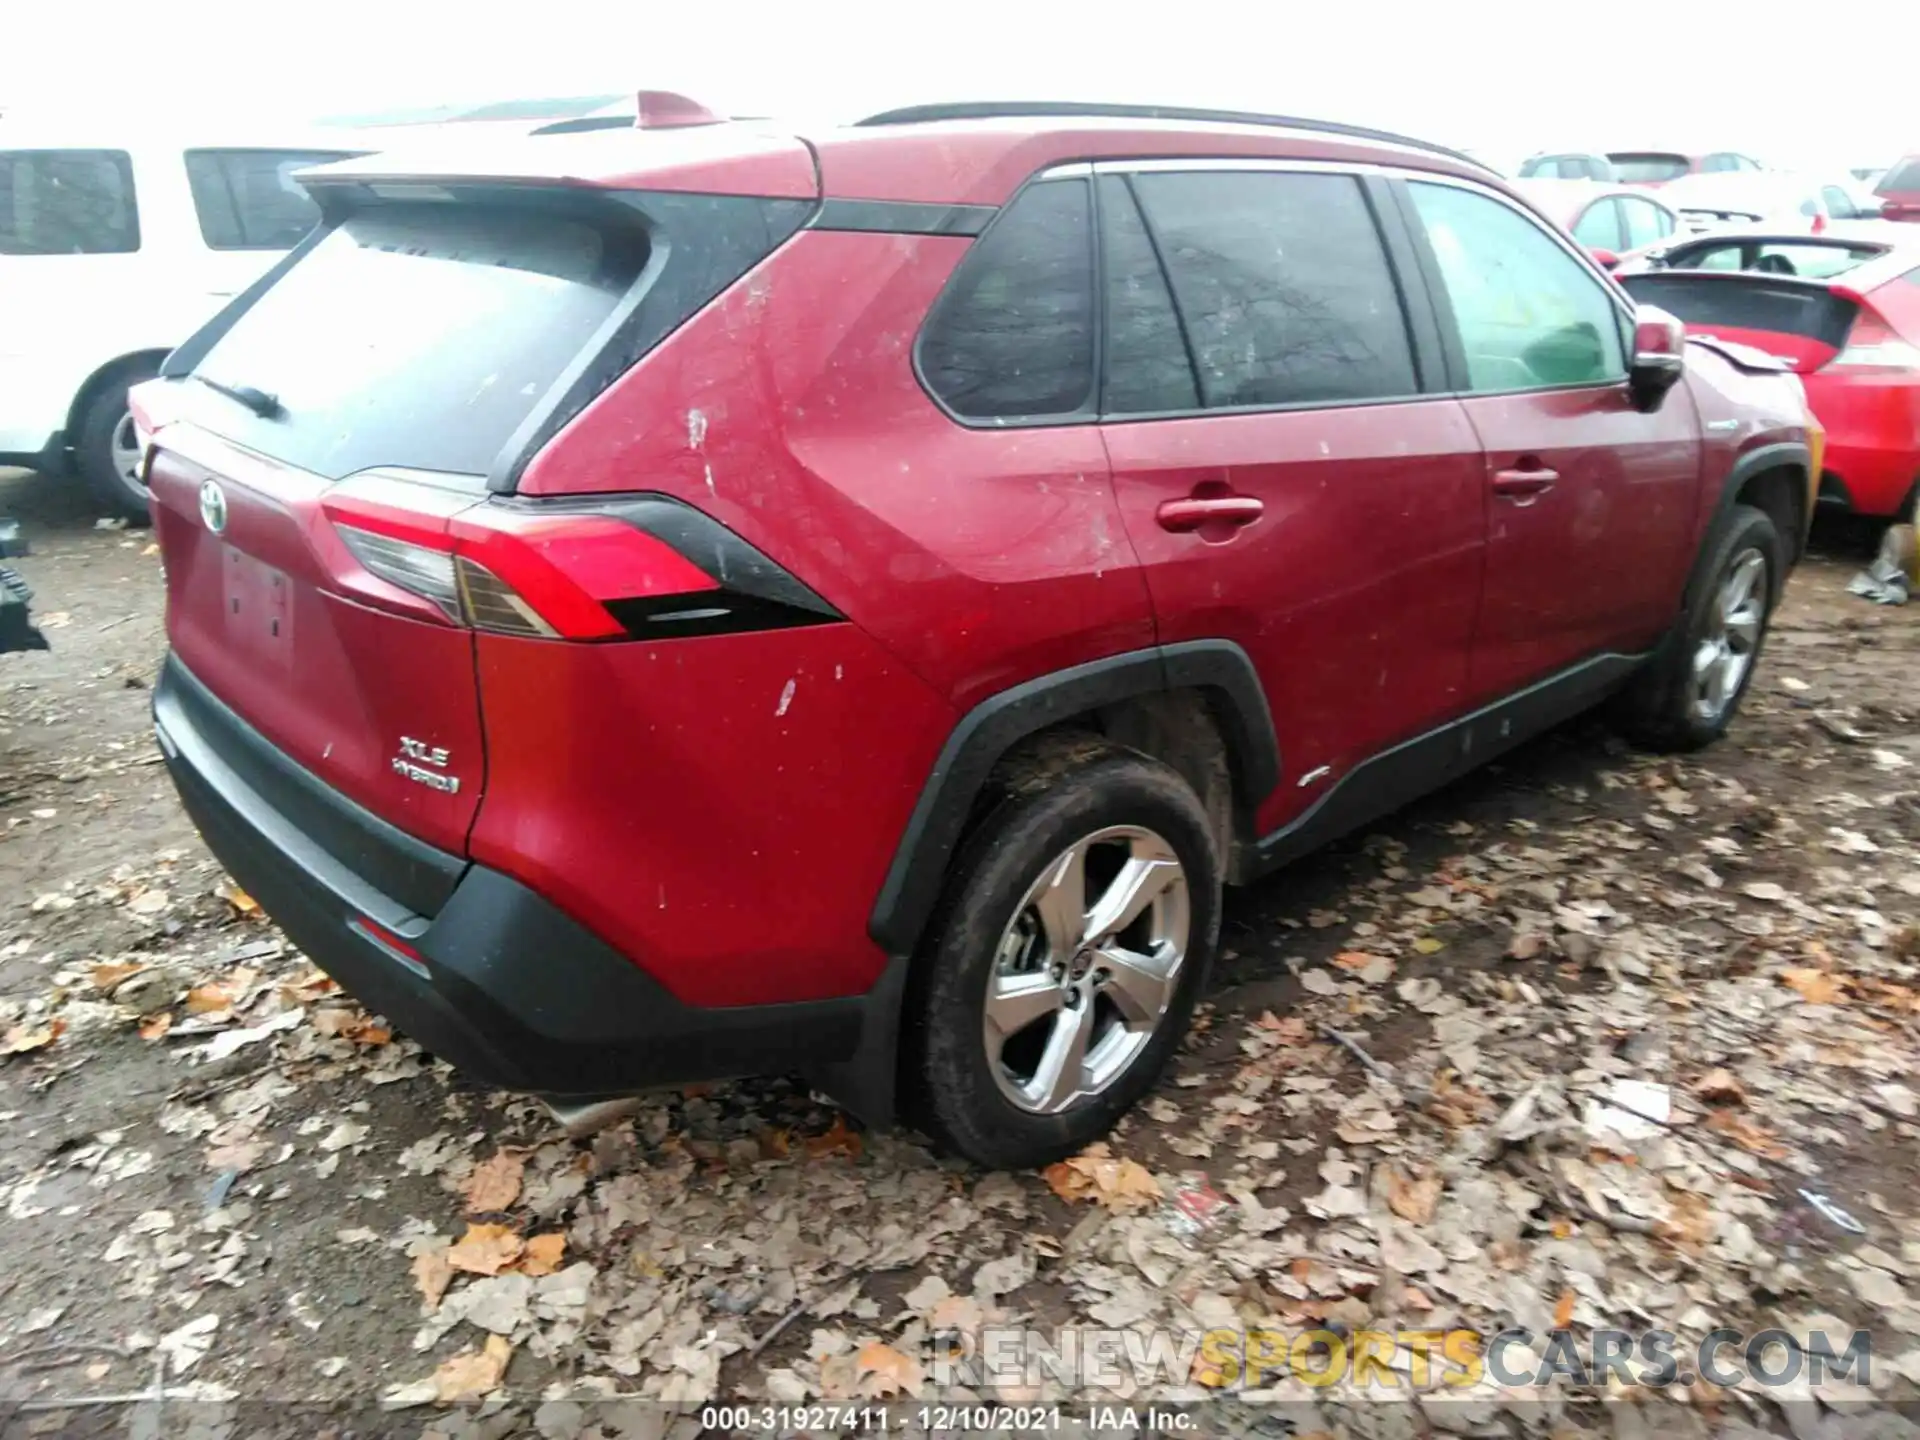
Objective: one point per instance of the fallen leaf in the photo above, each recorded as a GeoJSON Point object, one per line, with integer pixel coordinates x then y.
{"type": "Point", "coordinates": [243, 904]}
{"type": "Point", "coordinates": [1744, 1133]}
{"type": "Point", "coordinates": [105, 977]}
{"type": "Point", "coordinates": [1563, 1310]}
{"type": "Point", "coordinates": [314, 985]}
{"type": "Point", "coordinates": [1290, 1031]}
{"type": "Point", "coordinates": [1816, 987]}
{"type": "Point", "coordinates": [432, 1273]}
{"type": "Point", "coordinates": [1764, 890]}
{"type": "Point", "coordinates": [485, 1250]}
{"type": "Point", "coordinates": [1413, 1199]}
{"type": "Point", "coordinates": [472, 1374]}
{"type": "Point", "coordinates": [543, 1254]}
{"type": "Point", "coordinates": [883, 1371]}
{"type": "Point", "coordinates": [1525, 945]}
{"type": "Point", "coordinates": [495, 1184]}
{"type": "Point", "coordinates": [19, 1039]}
{"type": "Point", "coordinates": [1096, 1174]}
{"type": "Point", "coordinates": [188, 1345]}
{"type": "Point", "coordinates": [1720, 1087]}
{"type": "Point", "coordinates": [1355, 959]}
{"type": "Point", "coordinates": [210, 999]}
{"type": "Point", "coordinates": [838, 1140]}
{"type": "Point", "coordinates": [156, 1026]}
{"type": "Point", "coordinates": [1428, 945]}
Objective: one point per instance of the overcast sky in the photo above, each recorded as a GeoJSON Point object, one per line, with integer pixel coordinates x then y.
{"type": "Point", "coordinates": [1506, 77]}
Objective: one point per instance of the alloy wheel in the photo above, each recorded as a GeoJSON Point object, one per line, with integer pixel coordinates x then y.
{"type": "Point", "coordinates": [1087, 969]}
{"type": "Point", "coordinates": [126, 453]}
{"type": "Point", "coordinates": [1724, 653]}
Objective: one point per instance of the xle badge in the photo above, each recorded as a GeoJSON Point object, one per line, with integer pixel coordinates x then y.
{"type": "Point", "coordinates": [414, 760]}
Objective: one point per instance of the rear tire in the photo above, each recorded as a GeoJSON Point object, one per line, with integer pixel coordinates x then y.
{"type": "Point", "coordinates": [1691, 689]}
{"type": "Point", "coordinates": [1036, 1020]}
{"type": "Point", "coordinates": [104, 449]}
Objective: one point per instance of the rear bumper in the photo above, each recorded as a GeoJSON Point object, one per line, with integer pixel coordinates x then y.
{"type": "Point", "coordinates": [501, 983]}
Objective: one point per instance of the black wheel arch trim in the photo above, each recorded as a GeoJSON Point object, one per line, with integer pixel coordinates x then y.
{"type": "Point", "coordinates": [994, 726]}
{"type": "Point", "coordinates": [1779, 454]}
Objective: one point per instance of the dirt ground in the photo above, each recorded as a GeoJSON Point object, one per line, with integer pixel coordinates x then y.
{"type": "Point", "coordinates": [222, 1183]}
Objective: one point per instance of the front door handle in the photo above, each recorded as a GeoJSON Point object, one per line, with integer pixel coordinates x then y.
{"type": "Point", "coordinates": [1524, 486]}
{"type": "Point", "coordinates": [1194, 511]}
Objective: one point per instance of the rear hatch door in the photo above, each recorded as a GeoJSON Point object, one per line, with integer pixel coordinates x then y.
{"type": "Point", "coordinates": [367, 393]}
{"type": "Point", "coordinates": [1801, 322]}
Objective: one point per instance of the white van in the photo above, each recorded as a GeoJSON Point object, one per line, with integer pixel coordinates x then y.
{"type": "Point", "coordinates": [114, 247]}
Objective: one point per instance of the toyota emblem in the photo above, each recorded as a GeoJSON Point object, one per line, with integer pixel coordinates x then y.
{"type": "Point", "coordinates": [213, 507]}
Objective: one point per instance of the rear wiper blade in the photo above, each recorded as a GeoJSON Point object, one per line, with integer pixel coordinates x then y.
{"type": "Point", "coordinates": [258, 401]}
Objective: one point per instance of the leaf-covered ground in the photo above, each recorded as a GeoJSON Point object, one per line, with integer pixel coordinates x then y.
{"type": "Point", "coordinates": [1592, 1039]}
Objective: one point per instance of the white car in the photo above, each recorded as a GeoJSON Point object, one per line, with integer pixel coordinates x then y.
{"type": "Point", "coordinates": [116, 245]}
{"type": "Point", "coordinates": [1706, 202]}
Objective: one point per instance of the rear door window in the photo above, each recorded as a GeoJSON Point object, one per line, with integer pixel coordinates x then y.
{"type": "Point", "coordinates": [67, 202]}
{"type": "Point", "coordinates": [249, 200]}
{"type": "Point", "coordinates": [1529, 315]}
{"type": "Point", "coordinates": [1012, 337]}
{"type": "Point", "coordinates": [1282, 284]}
{"type": "Point", "coordinates": [1148, 367]}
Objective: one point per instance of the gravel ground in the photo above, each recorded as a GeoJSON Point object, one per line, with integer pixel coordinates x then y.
{"type": "Point", "coordinates": [223, 1182]}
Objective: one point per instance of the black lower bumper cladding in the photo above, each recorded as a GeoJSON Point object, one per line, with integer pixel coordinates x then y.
{"type": "Point", "coordinates": [505, 986]}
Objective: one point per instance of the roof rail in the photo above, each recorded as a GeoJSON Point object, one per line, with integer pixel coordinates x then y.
{"type": "Point", "coordinates": [1070, 109]}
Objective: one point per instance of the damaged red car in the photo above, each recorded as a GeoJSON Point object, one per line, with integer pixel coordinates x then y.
{"type": "Point", "coordinates": [1842, 310]}
{"type": "Point", "coordinates": [660, 604]}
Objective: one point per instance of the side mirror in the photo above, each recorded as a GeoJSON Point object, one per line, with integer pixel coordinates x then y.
{"type": "Point", "coordinates": [1659, 357]}
{"type": "Point", "coordinates": [1605, 259]}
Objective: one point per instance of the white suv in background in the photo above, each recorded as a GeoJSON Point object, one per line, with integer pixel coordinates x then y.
{"type": "Point", "coordinates": [114, 247]}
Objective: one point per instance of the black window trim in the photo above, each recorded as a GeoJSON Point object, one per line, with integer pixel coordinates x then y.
{"type": "Point", "coordinates": [1459, 387]}
{"type": "Point", "coordinates": [1426, 338]}
{"type": "Point", "coordinates": [123, 159]}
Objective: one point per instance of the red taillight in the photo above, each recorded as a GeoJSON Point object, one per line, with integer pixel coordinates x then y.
{"type": "Point", "coordinates": [508, 570]}
{"type": "Point", "coordinates": [1872, 344]}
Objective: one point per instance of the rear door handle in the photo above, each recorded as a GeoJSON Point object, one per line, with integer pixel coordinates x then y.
{"type": "Point", "coordinates": [1523, 487]}
{"type": "Point", "coordinates": [1194, 511]}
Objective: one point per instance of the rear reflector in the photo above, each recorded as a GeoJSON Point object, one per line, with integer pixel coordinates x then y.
{"type": "Point", "coordinates": [416, 568]}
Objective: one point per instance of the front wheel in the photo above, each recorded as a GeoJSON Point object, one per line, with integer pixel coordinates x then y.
{"type": "Point", "coordinates": [1689, 692]}
{"type": "Point", "coordinates": [1064, 967]}
{"type": "Point", "coordinates": [106, 451]}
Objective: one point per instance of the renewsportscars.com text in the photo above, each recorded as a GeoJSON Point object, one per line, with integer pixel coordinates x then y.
{"type": "Point", "coordinates": [1406, 1360]}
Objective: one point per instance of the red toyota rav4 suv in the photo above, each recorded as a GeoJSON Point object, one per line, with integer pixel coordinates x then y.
{"type": "Point", "coordinates": [669, 605]}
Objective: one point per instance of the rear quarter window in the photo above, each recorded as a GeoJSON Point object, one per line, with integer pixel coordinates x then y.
{"type": "Point", "coordinates": [249, 200]}
{"type": "Point", "coordinates": [1012, 337]}
{"type": "Point", "coordinates": [67, 202]}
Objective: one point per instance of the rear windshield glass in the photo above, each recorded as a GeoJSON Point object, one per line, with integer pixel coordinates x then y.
{"type": "Point", "coordinates": [417, 336]}
{"type": "Point", "coordinates": [1903, 178]}
{"type": "Point", "coordinates": [1747, 304]}
{"type": "Point", "coordinates": [67, 202]}
{"type": "Point", "coordinates": [1639, 167]}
